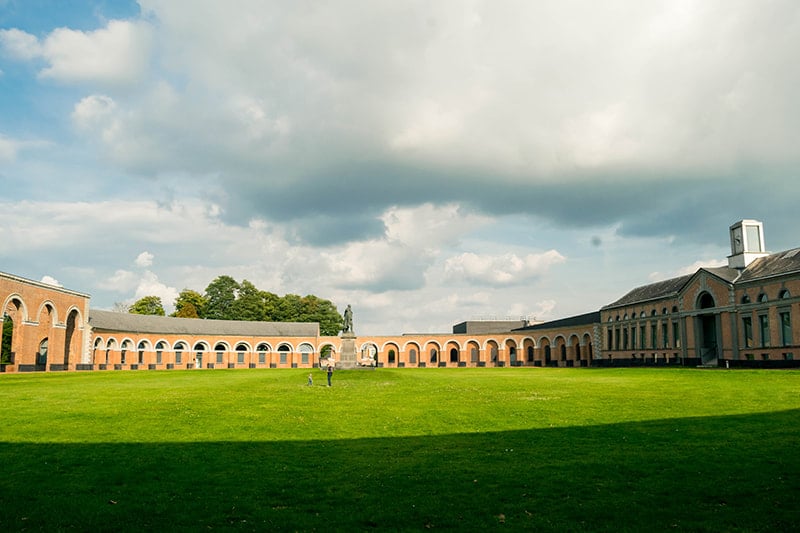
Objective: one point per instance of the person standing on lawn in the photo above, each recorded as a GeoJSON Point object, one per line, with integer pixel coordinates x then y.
{"type": "Point", "coordinates": [330, 373]}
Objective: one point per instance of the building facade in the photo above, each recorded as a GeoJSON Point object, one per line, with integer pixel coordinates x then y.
{"type": "Point", "coordinates": [743, 314]}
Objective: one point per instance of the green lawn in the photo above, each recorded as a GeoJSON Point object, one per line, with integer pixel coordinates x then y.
{"type": "Point", "coordinates": [407, 449]}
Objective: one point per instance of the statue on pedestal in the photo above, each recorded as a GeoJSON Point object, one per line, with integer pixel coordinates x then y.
{"type": "Point", "coordinates": [347, 323]}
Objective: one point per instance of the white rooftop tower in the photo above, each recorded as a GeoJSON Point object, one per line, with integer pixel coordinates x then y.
{"type": "Point", "coordinates": [747, 243]}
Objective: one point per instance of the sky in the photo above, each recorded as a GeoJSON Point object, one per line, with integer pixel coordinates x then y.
{"type": "Point", "coordinates": [425, 162]}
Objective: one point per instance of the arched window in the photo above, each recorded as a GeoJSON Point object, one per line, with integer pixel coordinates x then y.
{"type": "Point", "coordinates": [160, 345]}
{"type": "Point", "coordinates": [412, 356]}
{"type": "Point", "coordinates": [283, 353]}
{"type": "Point", "coordinates": [126, 345]}
{"type": "Point", "coordinates": [763, 297]}
{"type": "Point", "coordinates": [140, 349]}
{"type": "Point", "coordinates": [241, 350]}
{"type": "Point", "coordinates": [41, 355]}
{"type": "Point", "coordinates": [305, 350]}
{"type": "Point", "coordinates": [705, 301]}
{"type": "Point", "coordinates": [784, 294]}
{"type": "Point", "coordinates": [179, 349]}
{"type": "Point", "coordinates": [262, 350]}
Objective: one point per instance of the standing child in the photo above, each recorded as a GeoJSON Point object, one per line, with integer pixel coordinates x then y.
{"type": "Point", "coordinates": [330, 373]}
{"type": "Point", "coordinates": [310, 379]}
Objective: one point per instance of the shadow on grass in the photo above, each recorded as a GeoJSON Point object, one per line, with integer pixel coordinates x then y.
{"type": "Point", "coordinates": [717, 474]}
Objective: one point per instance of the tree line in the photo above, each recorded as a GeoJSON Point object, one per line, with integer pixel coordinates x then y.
{"type": "Point", "coordinates": [227, 299]}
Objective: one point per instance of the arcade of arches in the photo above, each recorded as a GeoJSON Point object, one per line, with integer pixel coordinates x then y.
{"type": "Point", "coordinates": [743, 314]}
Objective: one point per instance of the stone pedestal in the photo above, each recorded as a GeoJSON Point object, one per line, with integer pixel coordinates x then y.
{"type": "Point", "coordinates": [347, 357]}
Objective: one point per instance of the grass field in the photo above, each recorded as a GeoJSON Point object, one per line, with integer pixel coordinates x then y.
{"type": "Point", "coordinates": [408, 449]}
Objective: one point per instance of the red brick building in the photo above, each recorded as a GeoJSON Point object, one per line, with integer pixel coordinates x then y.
{"type": "Point", "coordinates": [743, 314]}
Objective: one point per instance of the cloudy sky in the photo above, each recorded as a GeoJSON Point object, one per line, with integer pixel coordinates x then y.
{"type": "Point", "coordinates": [425, 162]}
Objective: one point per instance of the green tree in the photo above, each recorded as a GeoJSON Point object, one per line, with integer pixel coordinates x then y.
{"type": "Point", "coordinates": [149, 305]}
{"type": "Point", "coordinates": [249, 303]}
{"type": "Point", "coordinates": [220, 297]}
{"type": "Point", "coordinates": [272, 304]}
{"type": "Point", "coordinates": [189, 304]}
{"type": "Point", "coordinates": [314, 309]}
{"type": "Point", "coordinates": [8, 333]}
{"type": "Point", "coordinates": [290, 308]}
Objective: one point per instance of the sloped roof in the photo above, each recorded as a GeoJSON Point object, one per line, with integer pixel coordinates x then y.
{"type": "Point", "coordinates": [111, 321]}
{"type": "Point", "coordinates": [776, 264]}
{"type": "Point", "coordinates": [653, 291]}
{"type": "Point", "coordinates": [727, 273]}
{"type": "Point", "coordinates": [671, 287]}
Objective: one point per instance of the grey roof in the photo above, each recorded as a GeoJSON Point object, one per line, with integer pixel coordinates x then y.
{"type": "Point", "coordinates": [572, 321]}
{"type": "Point", "coordinates": [652, 291]}
{"type": "Point", "coordinates": [726, 273]}
{"type": "Point", "coordinates": [111, 321]}
{"type": "Point", "coordinates": [772, 265]}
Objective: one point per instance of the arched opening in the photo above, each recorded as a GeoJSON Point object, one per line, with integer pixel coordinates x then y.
{"type": "Point", "coordinates": [179, 348]}
{"type": "Point", "coordinates": [283, 354]}
{"type": "Point", "coordinates": [707, 331]}
{"type": "Point", "coordinates": [454, 355]}
{"type": "Point", "coordinates": [219, 350]}
{"type": "Point", "coordinates": [41, 355]}
{"type": "Point", "coordinates": [140, 351]}
{"type": "Point", "coordinates": [160, 347]}
{"type": "Point", "coordinates": [241, 352]}
{"type": "Point", "coordinates": [70, 339]}
{"type": "Point", "coordinates": [306, 350]}
{"type": "Point", "coordinates": [263, 348]}
{"type": "Point", "coordinates": [199, 351]}
{"type": "Point", "coordinates": [6, 352]}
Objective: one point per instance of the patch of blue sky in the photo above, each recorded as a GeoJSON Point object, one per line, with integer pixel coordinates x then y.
{"type": "Point", "coordinates": [40, 17]}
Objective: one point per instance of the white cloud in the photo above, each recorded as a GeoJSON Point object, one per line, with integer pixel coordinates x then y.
{"type": "Point", "coordinates": [501, 270]}
{"type": "Point", "coordinates": [8, 149]}
{"type": "Point", "coordinates": [688, 269]}
{"type": "Point", "coordinates": [19, 44]}
{"type": "Point", "coordinates": [144, 259]}
{"type": "Point", "coordinates": [121, 281]}
{"type": "Point", "coordinates": [116, 54]}
{"type": "Point", "coordinates": [51, 281]}
{"type": "Point", "coordinates": [149, 285]}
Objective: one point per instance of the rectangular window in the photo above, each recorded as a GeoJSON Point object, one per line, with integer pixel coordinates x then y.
{"type": "Point", "coordinates": [610, 343]}
{"type": "Point", "coordinates": [158, 356]}
{"type": "Point", "coordinates": [763, 326]}
{"type": "Point", "coordinates": [786, 328]}
{"type": "Point", "coordinates": [747, 329]}
{"type": "Point", "coordinates": [178, 355]}
{"type": "Point", "coordinates": [283, 358]}
{"type": "Point", "coordinates": [653, 335]}
{"type": "Point", "coordinates": [625, 338]}
{"type": "Point", "coordinates": [220, 356]}
{"type": "Point", "coordinates": [617, 338]}
{"type": "Point", "coordinates": [240, 357]}
{"type": "Point", "coordinates": [304, 358]}
{"type": "Point", "coordinates": [141, 357]}
{"type": "Point", "coordinates": [122, 357]}
{"type": "Point", "coordinates": [642, 337]}
{"type": "Point", "coordinates": [262, 358]}
{"type": "Point", "coordinates": [633, 337]}
{"type": "Point", "coordinates": [664, 335]}
{"type": "Point", "coordinates": [676, 334]}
